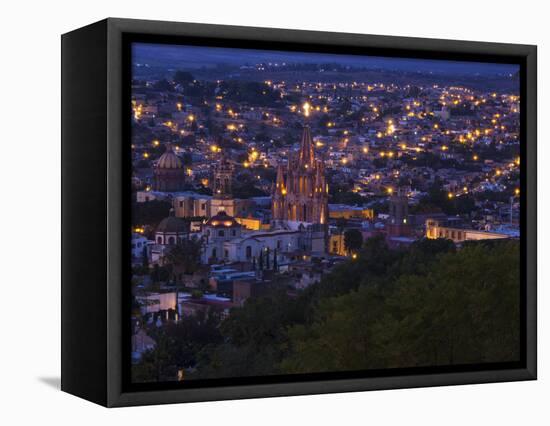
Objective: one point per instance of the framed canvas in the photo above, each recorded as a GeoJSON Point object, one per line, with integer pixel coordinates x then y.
{"type": "Point", "coordinates": [253, 212]}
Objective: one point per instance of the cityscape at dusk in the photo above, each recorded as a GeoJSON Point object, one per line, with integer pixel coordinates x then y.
{"type": "Point", "coordinates": [297, 213]}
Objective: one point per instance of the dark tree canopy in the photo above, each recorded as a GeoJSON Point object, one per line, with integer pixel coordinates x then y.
{"type": "Point", "coordinates": [151, 212]}
{"type": "Point", "coordinates": [183, 77]}
{"type": "Point", "coordinates": [429, 305]}
{"type": "Point", "coordinates": [353, 240]}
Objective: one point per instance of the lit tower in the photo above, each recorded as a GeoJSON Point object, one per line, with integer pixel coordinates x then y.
{"type": "Point", "coordinates": [279, 195]}
{"type": "Point", "coordinates": [399, 212]}
{"type": "Point", "coordinates": [303, 195]}
{"type": "Point", "coordinates": [222, 182]}
{"type": "Point", "coordinates": [222, 189]}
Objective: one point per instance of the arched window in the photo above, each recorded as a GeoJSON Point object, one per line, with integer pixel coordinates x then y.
{"type": "Point", "coordinates": [159, 240]}
{"type": "Point", "coordinates": [171, 240]}
{"type": "Point", "coordinates": [221, 234]}
{"type": "Point", "coordinates": [248, 252]}
{"type": "Point", "coordinates": [233, 232]}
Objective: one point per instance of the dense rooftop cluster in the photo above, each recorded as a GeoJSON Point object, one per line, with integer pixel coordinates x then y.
{"type": "Point", "coordinates": [253, 177]}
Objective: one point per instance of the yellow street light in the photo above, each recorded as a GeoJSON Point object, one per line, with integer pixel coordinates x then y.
{"type": "Point", "coordinates": [306, 109]}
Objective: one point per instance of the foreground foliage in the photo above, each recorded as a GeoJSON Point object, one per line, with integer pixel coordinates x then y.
{"type": "Point", "coordinates": [428, 305]}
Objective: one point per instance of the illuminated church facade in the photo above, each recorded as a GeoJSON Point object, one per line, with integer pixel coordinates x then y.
{"type": "Point", "coordinates": [300, 192]}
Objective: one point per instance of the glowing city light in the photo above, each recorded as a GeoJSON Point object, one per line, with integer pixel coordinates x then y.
{"type": "Point", "coordinates": [306, 109]}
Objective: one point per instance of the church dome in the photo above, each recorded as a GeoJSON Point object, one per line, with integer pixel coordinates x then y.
{"type": "Point", "coordinates": [169, 160]}
{"type": "Point", "coordinates": [222, 220]}
{"type": "Point", "coordinates": [172, 224]}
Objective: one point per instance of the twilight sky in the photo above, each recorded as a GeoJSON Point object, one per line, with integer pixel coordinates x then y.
{"type": "Point", "coordinates": [180, 56]}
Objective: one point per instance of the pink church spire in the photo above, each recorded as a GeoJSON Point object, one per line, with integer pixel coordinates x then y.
{"type": "Point", "coordinates": [306, 155]}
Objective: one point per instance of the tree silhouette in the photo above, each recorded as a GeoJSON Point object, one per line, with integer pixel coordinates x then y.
{"type": "Point", "coordinates": [185, 256]}
{"type": "Point", "coordinates": [353, 240]}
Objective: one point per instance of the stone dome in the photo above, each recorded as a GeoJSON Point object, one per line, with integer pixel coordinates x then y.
{"type": "Point", "coordinates": [222, 220]}
{"type": "Point", "coordinates": [172, 224]}
{"type": "Point", "coordinates": [169, 160]}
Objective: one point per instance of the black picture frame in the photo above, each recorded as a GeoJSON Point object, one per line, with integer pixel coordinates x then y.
{"type": "Point", "coordinates": [95, 209]}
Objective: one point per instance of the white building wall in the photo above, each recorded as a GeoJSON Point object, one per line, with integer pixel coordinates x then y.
{"type": "Point", "coordinates": [139, 242]}
{"type": "Point", "coordinates": [144, 196]}
{"type": "Point", "coordinates": [237, 248]}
